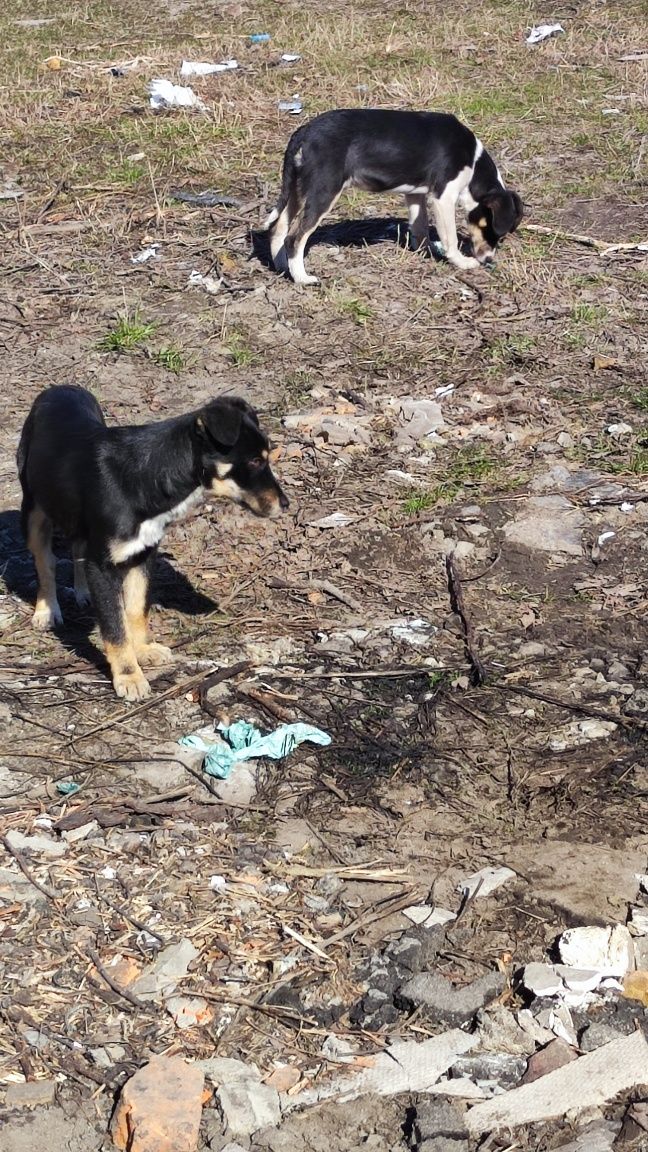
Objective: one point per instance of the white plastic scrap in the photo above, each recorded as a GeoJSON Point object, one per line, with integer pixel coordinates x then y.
{"type": "Point", "coordinates": [605, 536]}
{"type": "Point", "coordinates": [294, 106]}
{"type": "Point", "coordinates": [210, 284]}
{"type": "Point", "coordinates": [197, 68]}
{"type": "Point", "coordinates": [165, 94]}
{"type": "Point", "coordinates": [485, 881]}
{"type": "Point", "coordinates": [543, 32]}
{"type": "Point", "coordinates": [146, 254]}
{"type": "Point", "coordinates": [414, 631]}
{"type": "Point", "coordinates": [426, 916]}
{"type": "Point", "coordinates": [290, 58]}
{"type": "Point", "coordinates": [617, 430]}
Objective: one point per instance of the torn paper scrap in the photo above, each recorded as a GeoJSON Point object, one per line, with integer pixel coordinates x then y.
{"type": "Point", "coordinates": [199, 68]}
{"type": "Point", "coordinates": [588, 1082]}
{"type": "Point", "coordinates": [146, 254]}
{"type": "Point", "coordinates": [165, 94]}
{"type": "Point", "coordinates": [245, 742]}
{"type": "Point", "coordinates": [485, 881]}
{"type": "Point", "coordinates": [543, 32]}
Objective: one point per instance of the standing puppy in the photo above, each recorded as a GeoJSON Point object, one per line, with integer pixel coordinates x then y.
{"type": "Point", "coordinates": [113, 491]}
{"type": "Point", "coordinates": [418, 153]}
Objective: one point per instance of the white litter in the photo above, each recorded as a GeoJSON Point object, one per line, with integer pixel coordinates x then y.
{"type": "Point", "coordinates": [217, 883]}
{"type": "Point", "coordinates": [197, 68]}
{"type": "Point", "coordinates": [165, 94]}
{"type": "Point", "coordinates": [209, 283]}
{"type": "Point", "coordinates": [335, 520]}
{"type": "Point", "coordinates": [416, 632]}
{"type": "Point", "coordinates": [290, 58]}
{"type": "Point", "coordinates": [586, 1083]}
{"type": "Point", "coordinates": [486, 881]}
{"type": "Point", "coordinates": [543, 32]}
{"type": "Point", "coordinates": [617, 430]}
{"type": "Point", "coordinates": [626, 507]}
{"type": "Point", "coordinates": [605, 536]}
{"type": "Point", "coordinates": [294, 107]}
{"type": "Point", "coordinates": [608, 950]}
{"type": "Point", "coordinates": [146, 254]}
{"type": "Point", "coordinates": [427, 917]}
{"type": "Point", "coordinates": [444, 390]}
{"type": "Point", "coordinates": [611, 111]}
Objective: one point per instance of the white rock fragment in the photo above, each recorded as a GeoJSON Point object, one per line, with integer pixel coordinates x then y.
{"type": "Point", "coordinates": [608, 950]}
{"type": "Point", "coordinates": [485, 881]}
{"type": "Point", "coordinates": [426, 916]}
{"type": "Point", "coordinates": [162, 976]}
{"type": "Point", "coordinates": [35, 845]}
{"type": "Point", "coordinates": [542, 980]}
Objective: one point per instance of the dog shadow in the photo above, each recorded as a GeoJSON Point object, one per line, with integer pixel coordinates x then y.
{"type": "Point", "coordinates": [170, 589]}
{"type": "Point", "coordinates": [357, 234]}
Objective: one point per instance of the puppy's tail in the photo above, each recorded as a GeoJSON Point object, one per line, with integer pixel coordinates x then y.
{"type": "Point", "coordinates": [21, 462]}
{"type": "Point", "coordinates": [289, 179]}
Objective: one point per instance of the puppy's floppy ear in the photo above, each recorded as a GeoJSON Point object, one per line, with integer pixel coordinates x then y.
{"type": "Point", "coordinates": [219, 425]}
{"type": "Point", "coordinates": [506, 211]}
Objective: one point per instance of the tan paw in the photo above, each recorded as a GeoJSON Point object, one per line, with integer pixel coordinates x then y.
{"type": "Point", "coordinates": [154, 655]}
{"type": "Point", "coordinates": [132, 685]}
{"type": "Point", "coordinates": [47, 616]}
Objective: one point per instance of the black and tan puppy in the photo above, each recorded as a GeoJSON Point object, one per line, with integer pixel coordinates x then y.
{"type": "Point", "coordinates": [420, 154]}
{"type": "Point", "coordinates": [113, 491]}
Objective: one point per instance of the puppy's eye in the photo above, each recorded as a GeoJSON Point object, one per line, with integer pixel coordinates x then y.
{"type": "Point", "coordinates": [257, 462]}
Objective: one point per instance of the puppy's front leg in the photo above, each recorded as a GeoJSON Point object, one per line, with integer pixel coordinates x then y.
{"type": "Point", "coordinates": [446, 224]}
{"type": "Point", "coordinates": [136, 605]}
{"type": "Point", "coordinates": [106, 587]}
{"type": "Point", "coordinates": [419, 225]}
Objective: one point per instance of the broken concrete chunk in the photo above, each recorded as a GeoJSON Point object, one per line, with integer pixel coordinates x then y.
{"type": "Point", "coordinates": [14, 887]}
{"type": "Point", "coordinates": [542, 980]}
{"type": "Point", "coordinates": [579, 979]}
{"type": "Point", "coordinates": [609, 950]}
{"type": "Point", "coordinates": [160, 1107]}
{"type": "Point", "coordinates": [32, 1094]}
{"type": "Point", "coordinates": [499, 1032]}
{"type": "Point", "coordinates": [596, 1137]}
{"type": "Point", "coordinates": [438, 1118]}
{"type": "Point", "coordinates": [588, 1082]}
{"type": "Point", "coordinates": [36, 845]}
{"type": "Point", "coordinates": [189, 1011]}
{"type": "Point", "coordinates": [248, 1106]}
{"type": "Point", "coordinates": [447, 1003]}
{"type": "Point", "coordinates": [502, 1068]}
{"type": "Point", "coordinates": [161, 977]}
{"type": "Point", "coordinates": [548, 524]}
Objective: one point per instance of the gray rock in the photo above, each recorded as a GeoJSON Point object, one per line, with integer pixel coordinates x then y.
{"type": "Point", "coordinates": [33, 1094]}
{"type": "Point", "coordinates": [503, 1068]}
{"type": "Point", "coordinates": [36, 845]}
{"type": "Point", "coordinates": [500, 1032]}
{"type": "Point", "coordinates": [248, 1106]}
{"type": "Point", "coordinates": [443, 1144]}
{"type": "Point", "coordinates": [438, 1118]}
{"type": "Point", "coordinates": [637, 705]}
{"type": "Point", "coordinates": [548, 524]}
{"type": "Point", "coordinates": [596, 1035]}
{"type": "Point", "coordinates": [417, 949]}
{"type": "Point", "coordinates": [618, 671]}
{"type": "Point", "coordinates": [16, 887]}
{"type": "Point", "coordinates": [447, 1003]}
{"type": "Point", "coordinates": [419, 418]}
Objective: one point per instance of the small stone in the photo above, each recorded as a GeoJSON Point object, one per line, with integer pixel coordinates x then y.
{"type": "Point", "coordinates": [548, 524]}
{"type": "Point", "coordinates": [531, 648]}
{"type": "Point", "coordinates": [161, 977]}
{"type": "Point", "coordinates": [189, 1011]}
{"type": "Point", "coordinates": [447, 1003]}
{"type": "Point", "coordinates": [32, 1094]}
{"type": "Point", "coordinates": [501, 1068]}
{"type": "Point", "coordinates": [607, 949]}
{"type": "Point", "coordinates": [635, 987]}
{"type": "Point", "coordinates": [565, 440]}
{"type": "Point", "coordinates": [36, 845]}
{"type": "Point", "coordinates": [548, 1059]}
{"type": "Point", "coordinates": [16, 888]}
{"type": "Point", "coordinates": [500, 1032]}
{"type": "Point", "coordinates": [438, 1118]}
{"type": "Point", "coordinates": [542, 980]}
{"type": "Point", "coordinates": [596, 1035]}
{"type": "Point", "coordinates": [637, 705]}
{"type": "Point", "coordinates": [283, 1078]}
{"type": "Point", "coordinates": [160, 1107]}
{"type": "Point", "coordinates": [618, 671]}
{"type": "Point", "coordinates": [247, 1106]}
{"type": "Point", "coordinates": [443, 1144]}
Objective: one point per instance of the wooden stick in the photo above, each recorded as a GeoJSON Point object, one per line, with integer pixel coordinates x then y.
{"type": "Point", "coordinates": [117, 988]}
{"type": "Point", "coordinates": [457, 603]}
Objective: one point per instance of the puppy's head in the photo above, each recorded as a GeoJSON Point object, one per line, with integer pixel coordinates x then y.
{"type": "Point", "coordinates": [494, 217]}
{"type": "Point", "coordinates": [235, 457]}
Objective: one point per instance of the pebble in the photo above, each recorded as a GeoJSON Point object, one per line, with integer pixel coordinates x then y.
{"type": "Point", "coordinates": [555, 1055]}
{"type": "Point", "coordinates": [447, 1003]}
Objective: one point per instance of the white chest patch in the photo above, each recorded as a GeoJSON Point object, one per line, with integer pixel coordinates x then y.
{"type": "Point", "coordinates": [151, 531]}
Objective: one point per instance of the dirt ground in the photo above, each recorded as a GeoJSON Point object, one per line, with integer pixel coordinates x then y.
{"type": "Point", "coordinates": [524, 454]}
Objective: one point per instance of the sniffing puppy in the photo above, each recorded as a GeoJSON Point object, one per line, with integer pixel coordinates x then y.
{"type": "Point", "coordinates": [418, 153]}
{"type": "Point", "coordinates": [113, 491]}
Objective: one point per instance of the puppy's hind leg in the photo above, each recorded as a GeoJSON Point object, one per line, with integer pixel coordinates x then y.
{"type": "Point", "coordinates": [47, 613]}
{"type": "Point", "coordinates": [419, 224]}
{"type": "Point", "coordinates": [317, 203]}
{"type": "Point", "coordinates": [106, 586]}
{"type": "Point", "coordinates": [136, 606]}
{"type": "Point", "coordinates": [81, 590]}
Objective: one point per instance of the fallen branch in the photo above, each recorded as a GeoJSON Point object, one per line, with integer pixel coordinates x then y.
{"type": "Point", "coordinates": [457, 603]}
{"type": "Point", "coordinates": [117, 988]}
{"type": "Point", "coordinates": [601, 246]}
{"type": "Point", "coordinates": [572, 706]}
{"type": "Point", "coordinates": [20, 861]}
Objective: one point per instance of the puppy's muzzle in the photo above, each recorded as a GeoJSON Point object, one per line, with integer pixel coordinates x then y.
{"type": "Point", "coordinates": [269, 503]}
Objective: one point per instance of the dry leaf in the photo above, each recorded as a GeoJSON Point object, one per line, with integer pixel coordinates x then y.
{"type": "Point", "coordinates": [601, 362]}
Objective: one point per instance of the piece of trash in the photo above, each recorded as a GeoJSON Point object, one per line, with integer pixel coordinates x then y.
{"type": "Point", "coordinates": [294, 107]}
{"type": "Point", "coordinates": [586, 1083]}
{"type": "Point", "coordinates": [259, 37]}
{"type": "Point", "coordinates": [207, 199]}
{"type": "Point", "coordinates": [444, 390]}
{"type": "Point", "coordinates": [617, 430]}
{"type": "Point", "coordinates": [543, 32]}
{"type": "Point", "coordinates": [426, 917]}
{"type": "Point", "coordinates": [611, 111]}
{"type": "Point", "coordinates": [626, 507]}
{"type": "Point", "coordinates": [67, 787]}
{"type": "Point", "coordinates": [209, 283]}
{"type": "Point", "coordinates": [245, 742]}
{"type": "Point", "coordinates": [607, 950]}
{"type": "Point", "coordinates": [290, 58]}
{"type": "Point", "coordinates": [335, 520]}
{"type": "Point", "coordinates": [485, 881]}
{"type": "Point", "coordinates": [605, 536]}
{"type": "Point", "coordinates": [416, 632]}
{"type": "Point", "coordinates": [198, 68]}
{"type": "Point", "coordinates": [165, 94]}
{"type": "Point", "coordinates": [146, 254]}
{"type": "Point", "coordinates": [217, 883]}
{"type": "Point", "coordinates": [160, 1107]}
{"type": "Point", "coordinates": [118, 72]}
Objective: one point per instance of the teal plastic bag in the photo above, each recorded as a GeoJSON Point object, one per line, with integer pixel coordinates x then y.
{"type": "Point", "coordinates": [246, 742]}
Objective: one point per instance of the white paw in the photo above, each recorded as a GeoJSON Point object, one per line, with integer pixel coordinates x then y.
{"type": "Point", "coordinates": [46, 617]}
{"type": "Point", "coordinates": [464, 262]}
{"type": "Point", "coordinates": [305, 280]}
{"type": "Point", "coordinates": [154, 655]}
{"type": "Point", "coordinates": [132, 686]}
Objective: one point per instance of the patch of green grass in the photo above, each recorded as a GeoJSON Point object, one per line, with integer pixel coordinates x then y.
{"type": "Point", "coordinates": [471, 465]}
{"type": "Point", "coordinates": [238, 348]}
{"type": "Point", "coordinates": [354, 308]}
{"type": "Point", "coordinates": [584, 313]}
{"type": "Point", "coordinates": [171, 357]}
{"type": "Point", "coordinates": [512, 349]}
{"type": "Point", "coordinates": [128, 334]}
{"type": "Point", "coordinates": [640, 399]}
